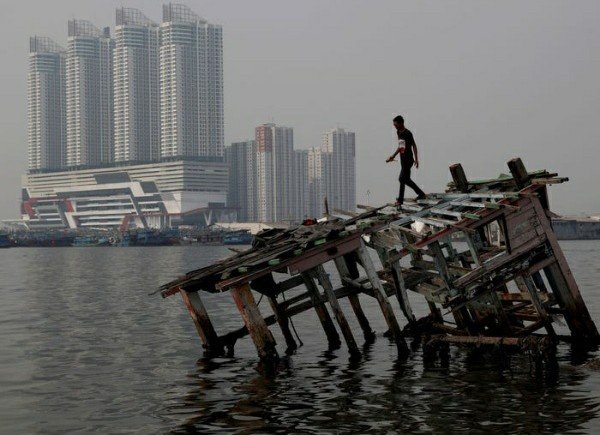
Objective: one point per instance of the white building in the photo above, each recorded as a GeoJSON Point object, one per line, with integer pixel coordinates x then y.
{"type": "Point", "coordinates": [89, 95]}
{"type": "Point", "coordinates": [316, 191]}
{"type": "Point", "coordinates": [339, 168]}
{"type": "Point", "coordinates": [300, 198]}
{"type": "Point", "coordinates": [136, 88]}
{"type": "Point", "coordinates": [156, 195]}
{"type": "Point", "coordinates": [191, 84]}
{"type": "Point", "coordinates": [274, 162]}
{"type": "Point", "coordinates": [46, 104]}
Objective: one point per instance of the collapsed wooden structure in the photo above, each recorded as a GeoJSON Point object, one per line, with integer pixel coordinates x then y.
{"type": "Point", "coordinates": [483, 255]}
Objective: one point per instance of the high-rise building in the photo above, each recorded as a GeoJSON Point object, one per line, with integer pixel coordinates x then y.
{"type": "Point", "coordinates": [46, 104]}
{"type": "Point", "coordinates": [136, 89]}
{"type": "Point", "coordinates": [191, 84]}
{"type": "Point", "coordinates": [241, 160]}
{"type": "Point", "coordinates": [89, 95]}
{"type": "Point", "coordinates": [300, 198]}
{"type": "Point", "coordinates": [316, 191]}
{"type": "Point", "coordinates": [274, 162]}
{"type": "Point", "coordinates": [339, 168]}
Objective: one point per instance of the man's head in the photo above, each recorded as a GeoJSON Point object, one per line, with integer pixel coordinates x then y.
{"type": "Point", "coordinates": [399, 122]}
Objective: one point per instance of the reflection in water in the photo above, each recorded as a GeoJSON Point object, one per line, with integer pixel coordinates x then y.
{"type": "Point", "coordinates": [85, 348]}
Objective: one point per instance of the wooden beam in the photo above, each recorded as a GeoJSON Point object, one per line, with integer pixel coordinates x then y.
{"type": "Point", "coordinates": [210, 340]}
{"type": "Point", "coordinates": [284, 325]}
{"type": "Point", "coordinates": [333, 337]}
{"type": "Point", "coordinates": [519, 173]}
{"type": "Point", "coordinates": [459, 177]}
{"type": "Point", "coordinates": [258, 329]}
{"type": "Point", "coordinates": [321, 275]}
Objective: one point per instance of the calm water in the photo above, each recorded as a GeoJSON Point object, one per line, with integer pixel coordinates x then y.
{"type": "Point", "coordinates": [83, 348]}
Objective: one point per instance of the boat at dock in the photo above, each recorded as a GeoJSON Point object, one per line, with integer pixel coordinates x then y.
{"type": "Point", "coordinates": [88, 241]}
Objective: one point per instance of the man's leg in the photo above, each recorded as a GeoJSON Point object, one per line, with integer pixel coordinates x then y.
{"type": "Point", "coordinates": [410, 183]}
{"type": "Point", "coordinates": [402, 180]}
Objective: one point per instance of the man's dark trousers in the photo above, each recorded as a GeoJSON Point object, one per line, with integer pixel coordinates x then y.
{"type": "Point", "coordinates": [406, 181]}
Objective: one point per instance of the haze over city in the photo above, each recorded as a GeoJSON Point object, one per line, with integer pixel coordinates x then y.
{"type": "Point", "coordinates": [477, 83]}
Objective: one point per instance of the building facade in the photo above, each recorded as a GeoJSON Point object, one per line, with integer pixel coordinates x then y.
{"type": "Point", "coordinates": [89, 95]}
{"type": "Point", "coordinates": [46, 104]}
{"type": "Point", "coordinates": [300, 198]}
{"type": "Point", "coordinates": [274, 162]}
{"type": "Point", "coordinates": [104, 196]}
{"type": "Point", "coordinates": [339, 168]}
{"type": "Point", "coordinates": [241, 160]}
{"type": "Point", "coordinates": [191, 84]}
{"type": "Point", "coordinates": [136, 88]}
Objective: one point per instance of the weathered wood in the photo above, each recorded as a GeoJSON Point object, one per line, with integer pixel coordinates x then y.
{"type": "Point", "coordinates": [258, 329]}
{"type": "Point", "coordinates": [384, 303]}
{"type": "Point", "coordinates": [344, 272]}
{"type": "Point", "coordinates": [320, 274]}
{"type": "Point", "coordinates": [459, 177]}
{"type": "Point", "coordinates": [526, 285]}
{"type": "Point", "coordinates": [333, 337]}
{"type": "Point", "coordinates": [284, 325]}
{"type": "Point", "coordinates": [210, 341]}
{"type": "Point", "coordinates": [564, 286]}
{"type": "Point", "coordinates": [519, 173]}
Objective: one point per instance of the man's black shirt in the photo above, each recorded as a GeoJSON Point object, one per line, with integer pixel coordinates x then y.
{"type": "Point", "coordinates": [407, 157]}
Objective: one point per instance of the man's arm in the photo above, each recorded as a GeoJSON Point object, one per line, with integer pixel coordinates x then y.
{"type": "Point", "coordinates": [393, 156]}
{"type": "Point", "coordinates": [416, 153]}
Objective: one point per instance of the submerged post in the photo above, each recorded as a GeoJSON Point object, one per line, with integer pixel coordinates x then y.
{"type": "Point", "coordinates": [210, 340]}
{"type": "Point", "coordinates": [258, 329]}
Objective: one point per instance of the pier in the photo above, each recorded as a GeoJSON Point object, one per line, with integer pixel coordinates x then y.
{"type": "Point", "coordinates": [483, 254]}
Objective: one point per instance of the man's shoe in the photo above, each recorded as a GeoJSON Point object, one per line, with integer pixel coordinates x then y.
{"type": "Point", "coordinates": [421, 197]}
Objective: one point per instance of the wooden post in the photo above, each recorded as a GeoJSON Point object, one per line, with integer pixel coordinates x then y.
{"type": "Point", "coordinates": [459, 178]}
{"type": "Point", "coordinates": [401, 294]}
{"type": "Point", "coordinates": [343, 270]}
{"type": "Point", "coordinates": [526, 285]}
{"type": "Point", "coordinates": [210, 340]}
{"type": "Point", "coordinates": [333, 337]}
{"type": "Point", "coordinates": [519, 173]}
{"type": "Point", "coordinates": [565, 287]}
{"type": "Point", "coordinates": [322, 277]}
{"type": "Point", "coordinates": [258, 329]}
{"type": "Point", "coordinates": [384, 303]}
{"type": "Point", "coordinates": [283, 321]}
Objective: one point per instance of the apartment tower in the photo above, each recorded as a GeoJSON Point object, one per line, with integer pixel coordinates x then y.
{"type": "Point", "coordinates": [191, 84]}
{"type": "Point", "coordinates": [89, 95]}
{"type": "Point", "coordinates": [46, 104]}
{"type": "Point", "coordinates": [136, 88]}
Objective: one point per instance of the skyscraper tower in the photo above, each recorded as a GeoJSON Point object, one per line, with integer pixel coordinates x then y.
{"type": "Point", "coordinates": [339, 168]}
{"type": "Point", "coordinates": [46, 104]}
{"type": "Point", "coordinates": [136, 88]}
{"type": "Point", "coordinates": [275, 163]}
{"type": "Point", "coordinates": [191, 78]}
{"type": "Point", "coordinates": [89, 95]}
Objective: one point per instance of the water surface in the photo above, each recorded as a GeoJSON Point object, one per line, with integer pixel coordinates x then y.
{"type": "Point", "coordinates": [85, 348]}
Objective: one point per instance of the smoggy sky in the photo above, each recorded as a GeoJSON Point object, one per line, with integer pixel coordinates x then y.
{"type": "Point", "coordinates": [479, 82]}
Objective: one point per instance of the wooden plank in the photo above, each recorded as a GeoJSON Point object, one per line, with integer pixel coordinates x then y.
{"type": "Point", "coordinates": [459, 177]}
{"type": "Point", "coordinates": [565, 287]}
{"type": "Point", "coordinates": [321, 275]}
{"type": "Point", "coordinates": [258, 329]}
{"type": "Point", "coordinates": [365, 326]}
{"type": "Point", "coordinates": [519, 173]}
{"type": "Point", "coordinates": [332, 335]}
{"type": "Point", "coordinates": [526, 285]}
{"type": "Point", "coordinates": [210, 341]}
{"type": "Point", "coordinates": [284, 325]}
{"type": "Point", "coordinates": [384, 303]}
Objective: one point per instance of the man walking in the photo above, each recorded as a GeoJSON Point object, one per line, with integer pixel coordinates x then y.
{"type": "Point", "coordinates": [409, 156]}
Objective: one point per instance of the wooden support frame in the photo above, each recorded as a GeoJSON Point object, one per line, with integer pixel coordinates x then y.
{"type": "Point", "coordinates": [384, 303]}
{"type": "Point", "coordinates": [284, 324]}
{"type": "Point", "coordinates": [332, 335]}
{"type": "Point", "coordinates": [344, 271]}
{"type": "Point", "coordinates": [210, 340]}
{"type": "Point", "coordinates": [258, 329]}
{"type": "Point", "coordinates": [320, 274]}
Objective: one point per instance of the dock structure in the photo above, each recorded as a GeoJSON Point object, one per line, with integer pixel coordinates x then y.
{"type": "Point", "coordinates": [483, 255]}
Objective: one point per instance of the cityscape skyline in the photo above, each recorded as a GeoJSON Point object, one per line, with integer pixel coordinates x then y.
{"type": "Point", "coordinates": [363, 83]}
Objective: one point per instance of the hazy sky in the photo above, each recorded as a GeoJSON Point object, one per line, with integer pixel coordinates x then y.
{"type": "Point", "coordinates": [478, 82]}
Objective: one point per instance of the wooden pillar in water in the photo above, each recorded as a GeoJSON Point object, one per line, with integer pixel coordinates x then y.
{"type": "Point", "coordinates": [384, 303]}
{"type": "Point", "coordinates": [284, 325]}
{"type": "Point", "coordinates": [565, 287]}
{"type": "Point", "coordinates": [343, 270]}
{"type": "Point", "coordinates": [526, 285]}
{"type": "Point", "coordinates": [257, 328]}
{"type": "Point", "coordinates": [333, 337]}
{"type": "Point", "coordinates": [401, 294]}
{"type": "Point", "coordinates": [210, 340]}
{"type": "Point", "coordinates": [321, 275]}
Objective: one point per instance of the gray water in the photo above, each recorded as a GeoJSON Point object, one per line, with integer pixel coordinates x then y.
{"type": "Point", "coordinates": [84, 348]}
